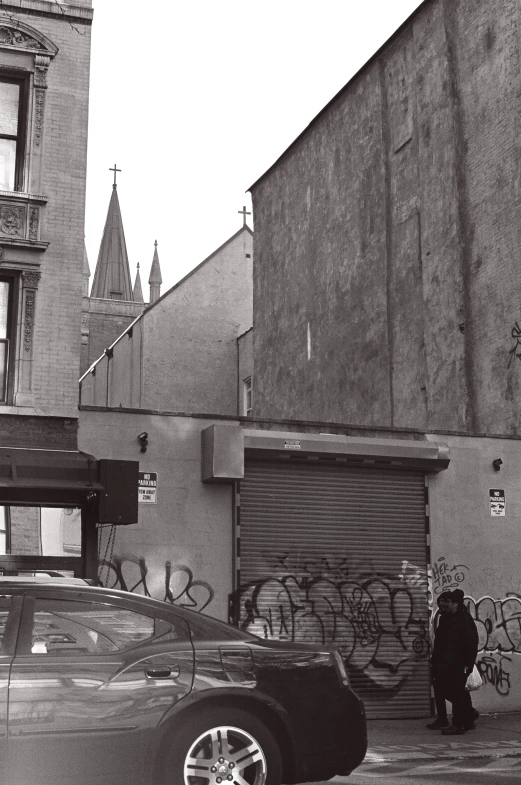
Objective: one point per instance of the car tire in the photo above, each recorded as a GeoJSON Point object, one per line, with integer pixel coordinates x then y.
{"type": "Point", "coordinates": [215, 743]}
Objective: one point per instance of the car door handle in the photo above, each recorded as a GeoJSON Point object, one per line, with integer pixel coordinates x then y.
{"type": "Point", "coordinates": [162, 672]}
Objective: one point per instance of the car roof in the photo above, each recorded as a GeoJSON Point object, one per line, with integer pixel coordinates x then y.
{"type": "Point", "coordinates": [44, 578]}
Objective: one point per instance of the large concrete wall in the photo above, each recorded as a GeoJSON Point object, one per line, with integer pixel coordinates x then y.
{"type": "Point", "coordinates": [386, 282]}
{"type": "Point", "coordinates": [480, 553]}
{"type": "Point", "coordinates": [184, 542]}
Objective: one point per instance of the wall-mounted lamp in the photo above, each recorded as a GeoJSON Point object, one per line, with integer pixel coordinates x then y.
{"type": "Point", "coordinates": [143, 440]}
{"type": "Point", "coordinates": [496, 463]}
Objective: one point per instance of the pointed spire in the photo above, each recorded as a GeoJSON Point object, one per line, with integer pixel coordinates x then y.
{"type": "Point", "coordinates": [138, 291]}
{"type": "Point", "coordinates": [86, 272]}
{"type": "Point", "coordinates": [112, 276]}
{"type": "Point", "coordinates": [154, 278]}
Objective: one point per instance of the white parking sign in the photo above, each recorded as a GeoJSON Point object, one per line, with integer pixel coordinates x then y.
{"type": "Point", "coordinates": [497, 502]}
{"type": "Point", "coordinates": [147, 487]}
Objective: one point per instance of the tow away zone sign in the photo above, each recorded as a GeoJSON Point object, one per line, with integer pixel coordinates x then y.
{"type": "Point", "coordinates": [147, 487]}
{"type": "Point", "coordinates": [497, 502]}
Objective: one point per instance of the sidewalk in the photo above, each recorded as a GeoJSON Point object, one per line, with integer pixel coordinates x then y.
{"type": "Point", "coordinates": [391, 740]}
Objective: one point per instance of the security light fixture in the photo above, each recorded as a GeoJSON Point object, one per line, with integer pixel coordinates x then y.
{"type": "Point", "coordinates": [143, 440]}
{"type": "Point", "coordinates": [496, 463]}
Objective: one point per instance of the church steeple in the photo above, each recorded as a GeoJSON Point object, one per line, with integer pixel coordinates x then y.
{"type": "Point", "coordinates": [138, 291]}
{"type": "Point", "coordinates": [112, 276]}
{"type": "Point", "coordinates": [154, 278]}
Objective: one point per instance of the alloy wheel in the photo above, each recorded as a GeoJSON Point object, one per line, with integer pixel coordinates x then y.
{"type": "Point", "coordinates": [223, 756]}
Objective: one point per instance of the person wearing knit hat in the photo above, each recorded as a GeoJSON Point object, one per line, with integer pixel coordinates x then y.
{"type": "Point", "coordinates": [455, 652]}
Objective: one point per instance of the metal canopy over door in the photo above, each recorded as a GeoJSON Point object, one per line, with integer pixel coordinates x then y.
{"type": "Point", "coordinates": [337, 553]}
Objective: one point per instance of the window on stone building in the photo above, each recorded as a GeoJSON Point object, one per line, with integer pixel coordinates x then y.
{"type": "Point", "coordinates": [247, 397]}
{"type": "Point", "coordinates": [6, 297]}
{"type": "Point", "coordinates": [12, 103]}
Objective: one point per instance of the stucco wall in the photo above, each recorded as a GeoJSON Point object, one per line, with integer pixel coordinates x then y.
{"type": "Point", "coordinates": [386, 282]}
{"type": "Point", "coordinates": [480, 554]}
{"type": "Point", "coordinates": [184, 542]}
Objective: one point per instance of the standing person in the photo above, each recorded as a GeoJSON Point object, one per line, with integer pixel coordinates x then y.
{"type": "Point", "coordinates": [441, 721]}
{"type": "Point", "coordinates": [457, 651]}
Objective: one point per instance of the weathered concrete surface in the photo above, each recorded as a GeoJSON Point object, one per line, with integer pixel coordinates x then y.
{"type": "Point", "coordinates": [183, 543]}
{"type": "Point", "coordinates": [387, 238]}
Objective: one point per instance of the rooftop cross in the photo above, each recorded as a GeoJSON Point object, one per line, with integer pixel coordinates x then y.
{"type": "Point", "coordinates": [115, 169]}
{"type": "Point", "coordinates": [244, 213]}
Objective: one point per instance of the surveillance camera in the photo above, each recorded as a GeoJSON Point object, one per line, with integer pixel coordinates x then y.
{"type": "Point", "coordinates": [497, 464]}
{"type": "Point", "coordinates": [143, 440]}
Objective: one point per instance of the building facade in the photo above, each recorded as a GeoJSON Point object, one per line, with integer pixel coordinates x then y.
{"type": "Point", "coordinates": [386, 300]}
{"type": "Point", "coordinates": [51, 495]}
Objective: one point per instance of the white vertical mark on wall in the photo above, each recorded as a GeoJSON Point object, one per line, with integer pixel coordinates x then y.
{"type": "Point", "coordinates": [309, 342]}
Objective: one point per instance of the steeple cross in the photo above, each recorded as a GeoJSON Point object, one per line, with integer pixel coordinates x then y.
{"type": "Point", "coordinates": [244, 213]}
{"type": "Point", "coordinates": [114, 169]}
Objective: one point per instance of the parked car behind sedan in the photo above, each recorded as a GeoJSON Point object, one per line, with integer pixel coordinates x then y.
{"type": "Point", "coordinates": [103, 687]}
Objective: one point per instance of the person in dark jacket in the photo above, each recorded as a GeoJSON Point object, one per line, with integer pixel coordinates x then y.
{"type": "Point", "coordinates": [453, 657]}
{"type": "Point", "coordinates": [442, 720]}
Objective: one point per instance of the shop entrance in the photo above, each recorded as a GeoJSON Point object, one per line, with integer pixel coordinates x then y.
{"type": "Point", "coordinates": [36, 539]}
{"type": "Point", "coordinates": [51, 502]}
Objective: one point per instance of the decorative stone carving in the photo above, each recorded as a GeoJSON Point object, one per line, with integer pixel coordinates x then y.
{"type": "Point", "coordinates": [30, 279]}
{"type": "Point", "coordinates": [34, 216]}
{"type": "Point", "coordinates": [12, 221]}
{"type": "Point", "coordinates": [41, 66]}
{"type": "Point", "coordinates": [38, 121]}
{"type": "Point", "coordinates": [11, 36]}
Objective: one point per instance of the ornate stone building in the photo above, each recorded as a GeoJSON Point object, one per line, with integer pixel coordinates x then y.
{"type": "Point", "coordinates": [50, 493]}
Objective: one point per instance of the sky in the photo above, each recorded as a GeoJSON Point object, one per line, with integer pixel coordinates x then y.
{"type": "Point", "coordinates": [194, 101]}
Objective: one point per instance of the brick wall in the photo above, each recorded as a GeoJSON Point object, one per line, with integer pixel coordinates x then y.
{"type": "Point", "coordinates": [25, 531]}
{"type": "Point", "coordinates": [57, 170]}
{"type": "Point", "coordinates": [45, 433]}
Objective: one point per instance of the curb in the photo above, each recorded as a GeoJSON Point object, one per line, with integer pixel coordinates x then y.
{"type": "Point", "coordinates": [480, 751]}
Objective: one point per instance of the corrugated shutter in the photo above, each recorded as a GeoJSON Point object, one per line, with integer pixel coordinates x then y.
{"type": "Point", "coordinates": [337, 554]}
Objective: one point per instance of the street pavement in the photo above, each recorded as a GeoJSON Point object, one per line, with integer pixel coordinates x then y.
{"type": "Point", "coordinates": [404, 752]}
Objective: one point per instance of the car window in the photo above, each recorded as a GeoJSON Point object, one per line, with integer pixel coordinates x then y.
{"type": "Point", "coordinates": [206, 628]}
{"type": "Point", "coordinates": [63, 627]}
{"type": "Point", "coordinates": [5, 604]}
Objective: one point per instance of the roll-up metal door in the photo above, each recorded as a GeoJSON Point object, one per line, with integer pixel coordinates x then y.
{"type": "Point", "coordinates": [338, 554]}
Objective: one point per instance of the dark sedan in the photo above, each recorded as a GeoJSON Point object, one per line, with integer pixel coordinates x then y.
{"type": "Point", "coordinates": [106, 687]}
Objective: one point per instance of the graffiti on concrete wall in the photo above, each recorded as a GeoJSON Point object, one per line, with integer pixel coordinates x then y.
{"type": "Point", "coordinates": [499, 628]}
{"type": "Point", "coordinates": [498, 623]}
{"type": "Point", "coordinates": [516, 349]}
{"type": "Point", "coordinates": [446, 577]}
{"type": "Point", "coordinates": [380, 622]}
{"type": "Point", "coordinates": [494, 670]}
{"type": "Point", "coordinates": [173, 583]}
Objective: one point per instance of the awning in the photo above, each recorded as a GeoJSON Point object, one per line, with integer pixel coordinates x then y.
{"type": "Point", "coordinates": [70, 478]}
{"type": "Point", "coordinates": [59, 470]}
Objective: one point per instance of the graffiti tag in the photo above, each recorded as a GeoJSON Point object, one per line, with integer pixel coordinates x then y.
{"type": "Point", "coordinates": [379, 622]}
{"type": "Point", "coordinates": [173, 583]}
{"type": "Point", "coordinates": [492, 669]}
{"type": "Point", "coordinates": [445, 577]}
